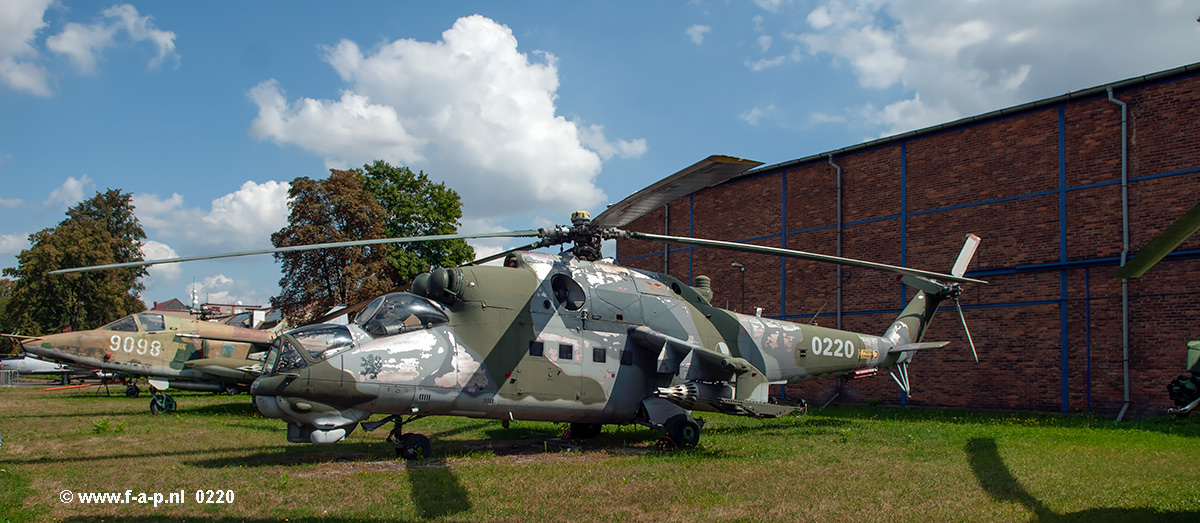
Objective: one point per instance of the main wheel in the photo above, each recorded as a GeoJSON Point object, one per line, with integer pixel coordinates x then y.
{"type": "Point", "coordinates": [132, 391]}
{"type": "Point", "coordinates": [683, 431]}
{"type": "Point", "coordinates": [585, 430]}
{"type": "Point", "coordinates": [232, 390]}
{"type": "Point", "coordinates": [416, 447]}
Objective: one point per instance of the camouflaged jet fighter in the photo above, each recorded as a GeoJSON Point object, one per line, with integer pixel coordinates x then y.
{"type": "Point", "coordinates": [171, 351]}
{"type": "Point", "coordinates": [573, 338]}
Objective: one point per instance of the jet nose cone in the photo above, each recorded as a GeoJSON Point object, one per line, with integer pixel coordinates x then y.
{"type": "Point", "coordinates": [33, 346]}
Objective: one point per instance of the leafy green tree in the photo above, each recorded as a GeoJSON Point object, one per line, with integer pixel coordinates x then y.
{"type": "Point", "coordinates": [377, 201]}
{"type": "Point", "coordinates": [418, 207]}
{"type": "Point", "coordinates": [336, 209]}
{"type": "Point", "coordinates": [100, 230]}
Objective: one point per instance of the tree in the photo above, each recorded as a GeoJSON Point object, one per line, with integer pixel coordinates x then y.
{"type": "Point", "coordinates": [100, 230]}
{"type": "Point", "coordinates": [336, 209]}
{"type": "Point", "coordinates": [418, 207]}
{"type": "Point", "coordinates": [377, 201]}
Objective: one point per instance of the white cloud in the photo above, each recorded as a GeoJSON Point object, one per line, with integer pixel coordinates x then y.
{"type": "Point", "coordinates": [169, 272]}
{"type": "Point", "coordinates": [764, 43]}
{"type": "Point", "coordinates": [12, 244]}
{"type": "Point", "coordinates": [20, 20]}
{"type": "Point", "coordinates": [766, 63]}
{"type": "Point", "coordinates": [470, 109]}
{"type": "Point", "coordinates": [70, 192]}
{"type": "Point", "coordinates": [11, 203]}
{"type": "Point", "coordinates": [754, 115]}
{"type": "Point", "coordinates": [83, 44]}
{"type": "Point", "coordinates": [956, 59]}
{"type": "Point", "coordinates": [224, 290]}
{"type": "Point", "coordinates": [242, 219]}
{"type": "Point", "coordinates": [697, 32]}
{"type": "Point", "coordinates": [593, 138]}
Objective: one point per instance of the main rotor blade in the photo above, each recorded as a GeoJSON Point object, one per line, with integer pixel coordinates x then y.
{"type": "Point", "coordinates": [705, 173]}
{"type": "Point", "coordinates": [745, 247]}
{"type": "Point", "coordinates": [315, 246]}
{"type": "Point", "coordinates": [499, 255]}
{"type": "Point", "coordinates": [1162, 245]}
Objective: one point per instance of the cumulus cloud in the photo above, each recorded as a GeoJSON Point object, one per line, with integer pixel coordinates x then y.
{"type": "Point", "coordinates": [222, 289]}
{"type": "Point", "coordinates": [84, 44]}
{"type": "Point", "coordinates": [955, 59]}
{"type": "Point", "coordinates": [593, 138]}
{"type": "Point", "coordinates": [12, 244]}
{"type": "Point", "coordinates": [696, 33]}
{"type": "Point", "coordinates": [20, 20]}
{"type": "Point", "coordinates": [11, 203]}
{"type": "Point", "coordinates": [242, 219]}
{"type": "Point", "coordinates": [470, 109]}
{"type": "Point", "coordinates": [152, 250]}
{"type": "Point", "coordinates": [70, 192]}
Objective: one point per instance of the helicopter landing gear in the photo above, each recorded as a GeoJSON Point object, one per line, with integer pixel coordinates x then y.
{"type": "Point", "coordinates": [683, 431]}
{"type": "Point", "coordinates": [411, 447]}
{"type": "Point", "coordinates": [584, 430]}
{"type": "Point", "coordinates": [161, 403]}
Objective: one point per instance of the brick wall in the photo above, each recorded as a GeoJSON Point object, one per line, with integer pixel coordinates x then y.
{"type": "Point", "coordinates": [1042, 187]}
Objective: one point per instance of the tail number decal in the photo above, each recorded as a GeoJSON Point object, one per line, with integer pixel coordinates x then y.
{"type": "Point", "coordinates": [832, 347]}
{"type": "Point", "coordinates": [131, 345]}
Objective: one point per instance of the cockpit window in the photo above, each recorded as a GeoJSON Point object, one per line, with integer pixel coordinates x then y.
{"type": "Point", "coordinates": [322, 341]}
{"type": "Point", "coordinates": [152, 322]}
{"type": "Point", "coordinates": [126, 324]}
{"type": "Point", "coordinates": [400, 312]}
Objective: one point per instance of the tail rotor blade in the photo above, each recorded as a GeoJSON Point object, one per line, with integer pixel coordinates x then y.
{"type": "Point", "coordinates": [967, 330]}
{"type": "Point", "coordinates": [964, 256]}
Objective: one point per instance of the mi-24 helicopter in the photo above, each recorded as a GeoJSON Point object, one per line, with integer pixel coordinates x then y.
{"type": "Point", "coordinates": [573, 338]}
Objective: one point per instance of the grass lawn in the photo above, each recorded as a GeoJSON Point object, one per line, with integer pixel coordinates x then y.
{"type": "Point", "coordinates": [836, 464]}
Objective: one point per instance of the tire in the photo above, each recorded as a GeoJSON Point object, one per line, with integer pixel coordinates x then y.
{"type": "Point", "coordinates": [132, 391]}
{"type": "Point", "coordinates": [232, 390]}
{"type": "Point", "coordinates": [585, 430]}
{"type": "Point", "coordinates": [683, 431]}
{"type": "Point", "coordinates": [416, 447]}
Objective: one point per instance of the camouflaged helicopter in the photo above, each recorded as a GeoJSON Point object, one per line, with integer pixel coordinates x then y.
{"type": "Point", "coordinates": [171, 351]}
{"type": "Point", "coordinates": [573, 338]}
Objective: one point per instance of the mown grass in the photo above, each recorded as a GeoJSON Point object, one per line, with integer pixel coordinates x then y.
{"type": "Point", "coordinates": [856, 464]}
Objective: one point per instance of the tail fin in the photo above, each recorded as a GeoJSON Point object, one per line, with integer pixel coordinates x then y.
{"type": "Point", "coordinates": [908, 329]}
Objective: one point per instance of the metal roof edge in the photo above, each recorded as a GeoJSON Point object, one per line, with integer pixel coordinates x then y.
{"type": "Point", "coordinates": [962, 122]}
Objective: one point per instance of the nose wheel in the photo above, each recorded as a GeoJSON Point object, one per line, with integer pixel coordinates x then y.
{"type": "Point", "coordinates": [161, 403]}
{"type": "Point", "coordinates": [410, 446]}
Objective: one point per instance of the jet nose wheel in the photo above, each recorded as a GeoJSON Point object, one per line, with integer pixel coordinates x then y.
{"type": "Point", "coordinates": [162, 404]}
{"type": "Point", "coordinates": [132, 391]}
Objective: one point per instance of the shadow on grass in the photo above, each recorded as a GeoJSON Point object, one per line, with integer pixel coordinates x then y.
{"type": "Point", "coordinates": [1001, 485]}
{"type": "Point", "coordinates": [435, 489]}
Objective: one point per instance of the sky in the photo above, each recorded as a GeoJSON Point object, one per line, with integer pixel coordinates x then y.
{"type": "Point", "coordinates": [205, 111]}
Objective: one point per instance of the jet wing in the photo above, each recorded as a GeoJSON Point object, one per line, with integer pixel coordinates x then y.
{"type": "Point", "coordinates": [259, 343]}
{"type": "Point", "coordinates": [241, 370]}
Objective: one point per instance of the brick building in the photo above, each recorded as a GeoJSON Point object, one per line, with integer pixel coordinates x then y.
{"type": "Point", "coordinates": [1041, 183]}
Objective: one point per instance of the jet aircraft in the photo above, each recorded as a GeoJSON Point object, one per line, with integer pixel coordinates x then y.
{"type": "Point", "coordinates": [171, 351]}
{"type": "Point", "coordinates": [574, 338]}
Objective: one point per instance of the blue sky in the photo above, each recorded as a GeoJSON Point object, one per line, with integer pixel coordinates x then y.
{"type": "Point", "coordinates": [204, 111]}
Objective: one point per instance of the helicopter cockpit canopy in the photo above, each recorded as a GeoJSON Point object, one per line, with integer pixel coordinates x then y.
{"type": "Point", "coordinates": [400, 312]}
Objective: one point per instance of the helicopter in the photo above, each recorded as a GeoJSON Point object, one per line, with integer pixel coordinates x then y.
{"type": "Point", "coordinates": [573, 338]}
{"type": "Point", "coordinates": [171, 351]}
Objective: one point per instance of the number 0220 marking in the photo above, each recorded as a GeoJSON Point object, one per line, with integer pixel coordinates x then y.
{"type": "Point", "coordinates": [832, 347]}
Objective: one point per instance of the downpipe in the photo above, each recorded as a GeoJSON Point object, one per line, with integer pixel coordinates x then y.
{"type": "Point", "coordinates": [839, 239]}
{"type": "Point", "coordinates": [1124, 249]}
